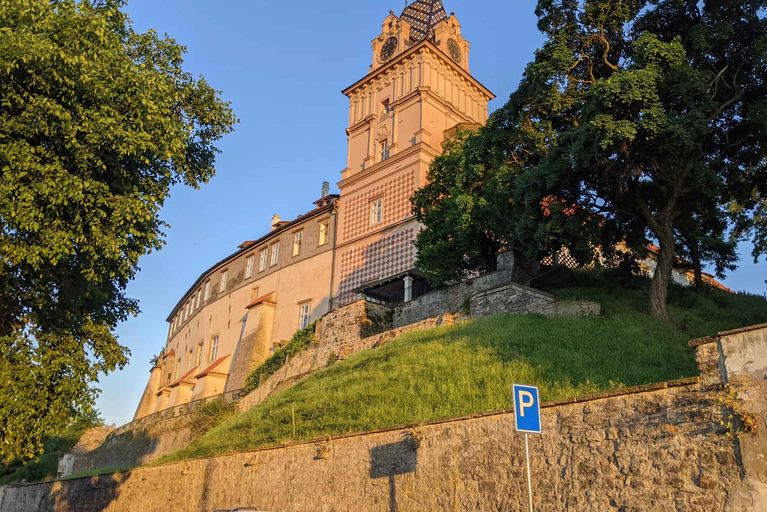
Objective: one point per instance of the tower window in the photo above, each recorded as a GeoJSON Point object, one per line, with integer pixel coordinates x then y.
{"type": "Point", "coordinates": [298, 238]}
{"type": "Point", "coordinates": [324, 232]}
{"type": "Point", "coordinates": [384, 147]}
{"type": "Point", "coordinates": [376, 212]}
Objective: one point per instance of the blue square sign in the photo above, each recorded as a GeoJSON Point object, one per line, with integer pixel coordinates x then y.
{"type": "Point", "coordinates": [527, 409]}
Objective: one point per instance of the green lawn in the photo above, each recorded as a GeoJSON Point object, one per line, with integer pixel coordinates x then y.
{"type": "Point", "coordinates": [469, 368]}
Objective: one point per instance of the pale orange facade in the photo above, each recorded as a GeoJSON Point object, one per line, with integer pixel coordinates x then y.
{"type": "Point", "coordinates": [418, 89]}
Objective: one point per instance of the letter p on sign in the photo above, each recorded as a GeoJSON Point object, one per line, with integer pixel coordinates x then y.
{"type": "Point", "coordinates": [527, 409]}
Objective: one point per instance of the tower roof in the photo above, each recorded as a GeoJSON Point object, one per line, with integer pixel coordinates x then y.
{"type": "Point", "coordinates": [423, 16]}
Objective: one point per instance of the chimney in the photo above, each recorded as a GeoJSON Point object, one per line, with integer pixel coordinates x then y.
{"type": "Point", "coordinates": [325, 189]}
{"type": "Point", "coordinates": [275, 220]}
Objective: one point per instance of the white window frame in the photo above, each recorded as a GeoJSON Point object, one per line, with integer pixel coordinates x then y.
{"type": "Point", "coordinates": [249, 266]}
{"type": "Point", "coordinates": [376, 211]}
{"type": "Point", "coordinates": [324, 232]}
{"type": "Point", "coordinates": [206, 295]}
{"type": "Point", "coordinates": [298, 240]}
{"type": "Point", "coordinates": [263, 260]}
{"type": "Point", "coordinates": [198, 357]}
{"type": "Point", "coordinates": [304, 314]}
{"type": "Point", "coordinates": [274, 257]}
{"type": "Point", "coordinates": [213, 348]}
{"type": "Point", "coordinates": [384, 151]}
{"type": "Point", "coordinates": [197, 298]}
{"type": "Point", "coordinates": [224, 279]}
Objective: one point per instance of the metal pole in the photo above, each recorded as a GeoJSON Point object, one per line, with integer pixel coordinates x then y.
{"type": "Point", "coordinates": [529, 479]}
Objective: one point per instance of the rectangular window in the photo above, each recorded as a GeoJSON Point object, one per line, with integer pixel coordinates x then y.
{"type": "Point", "coordinates": [304, 311]}
{"type": "Point", "coordinates": [206, 295]}
{"type": "Point", "coordinates": [249, 267]}
{"type": "Point", "coordinates": [275, 254]}
{"type": "Point", "coordinates": [384, 147]}
{"type": "Point", "coordinates": [385, 107]}
{"type": "Point", "coordinates": [324, 232]}
{"type": "Point", "coordinates": [224, 277]}
{"type": "Point", "coordinates": [376, 212]}
{"type": "Point", "coordinates": [263, 258]}
{"type": "Point", "coordinates": [213, 348]}
{"type": "Point", "coordinates": [298, 238]}
{"type": "Point", "coordinates": [183, 313]}
{"type": "Point", "coordinates": [197, 300]}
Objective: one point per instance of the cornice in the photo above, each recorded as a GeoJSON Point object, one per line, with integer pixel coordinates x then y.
{"type": "Point", "coordinates": [409, 52]}
{"type": "Point", "coordinates": [377, 168]}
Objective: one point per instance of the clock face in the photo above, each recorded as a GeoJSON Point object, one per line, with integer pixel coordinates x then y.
{"type": "Point", "coordinates": [454, 50]}
{"type": "Point", "coordinates": [389, 47]}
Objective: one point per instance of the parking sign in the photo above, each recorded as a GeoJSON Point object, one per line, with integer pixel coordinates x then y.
{"type": "Point", "coordinates": [527, 409]}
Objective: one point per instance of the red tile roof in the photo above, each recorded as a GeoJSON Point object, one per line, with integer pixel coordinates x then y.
{"type": "Point", "coordinates": [269, 297]}
{"type": "Point", "coordinates": [211, 367]}
{"type": "Point", "coordinates": [183, 379]}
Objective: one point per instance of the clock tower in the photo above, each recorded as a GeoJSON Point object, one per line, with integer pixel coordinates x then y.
{"type": "Point", "coordinates": [417, 92]}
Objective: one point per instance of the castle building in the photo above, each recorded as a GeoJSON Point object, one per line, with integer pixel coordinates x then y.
{"type": "Point", "coordinates": [417, 92]}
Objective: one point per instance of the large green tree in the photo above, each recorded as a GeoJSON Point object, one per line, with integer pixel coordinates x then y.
{"type": "Point", "coordinates": [97, 123]}
{"type": "Point", "coordinates": [637, 119]}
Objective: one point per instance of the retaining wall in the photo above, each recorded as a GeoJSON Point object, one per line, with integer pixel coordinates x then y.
{"type": "Point", "coordinates": [661, 447]}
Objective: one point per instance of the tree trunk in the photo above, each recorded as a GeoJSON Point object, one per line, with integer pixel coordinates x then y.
{"type": "Point", "coordinates": [662, 275]}
{"type": "Point", "coordinates": [696, 269]}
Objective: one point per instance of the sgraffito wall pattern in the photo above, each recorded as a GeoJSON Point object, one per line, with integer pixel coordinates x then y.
{"type": "Point", "coordinates": [395, 192]}
{"type": "Point", "coordinates": [392, 254]}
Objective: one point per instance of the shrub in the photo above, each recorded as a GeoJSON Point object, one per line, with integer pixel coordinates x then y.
{"type": "Point", "coordinates": [300, 341]}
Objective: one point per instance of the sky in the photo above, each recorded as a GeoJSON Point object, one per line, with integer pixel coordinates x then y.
{"type": "Point", "coordinates": [282, 66]}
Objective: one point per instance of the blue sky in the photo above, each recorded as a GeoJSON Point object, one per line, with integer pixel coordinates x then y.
{"type": "Point", "coordinates": [283, 65]}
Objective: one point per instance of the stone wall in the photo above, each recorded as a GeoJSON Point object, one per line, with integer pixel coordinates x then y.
{"type": "Point", "coordinates": [663, 447]}
{"type": "Point", "coordinates": [491, 294]}
{"type": "Point", "coordinates": [660, 447]}
{"type": "Point", "coordinates": [738, 359]}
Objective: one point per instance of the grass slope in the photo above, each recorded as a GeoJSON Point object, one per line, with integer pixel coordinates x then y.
{"type": "Point", "coordinates": [469, 368]}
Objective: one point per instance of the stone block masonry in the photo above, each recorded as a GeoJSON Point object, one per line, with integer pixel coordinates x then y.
{"type": "Point", "coordinates": [661, 448]}
{"type": "Point", "coordinates": [658, 447]}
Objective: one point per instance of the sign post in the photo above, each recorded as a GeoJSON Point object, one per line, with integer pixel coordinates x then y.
{"type": "Point", "coordinates": [527, 416]}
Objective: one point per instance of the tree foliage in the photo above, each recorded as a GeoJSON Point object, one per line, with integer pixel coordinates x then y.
{"type": "Point", "coordinates": [638, 119]}
{"type": "Point", "coordinates": [97, 123]}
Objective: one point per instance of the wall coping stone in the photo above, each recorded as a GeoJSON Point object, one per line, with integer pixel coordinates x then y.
{"type": "Point", "coordinates": [713, 339]}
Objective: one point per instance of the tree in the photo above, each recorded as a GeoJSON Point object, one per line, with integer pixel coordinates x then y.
{"type": "Point", "coordinates": [97, 123]}
{"type": "Point", "coordinates": [636, 118]}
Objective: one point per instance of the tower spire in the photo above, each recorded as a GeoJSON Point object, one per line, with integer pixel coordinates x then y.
{"type": "Point", "coordinates": [423, 16]}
